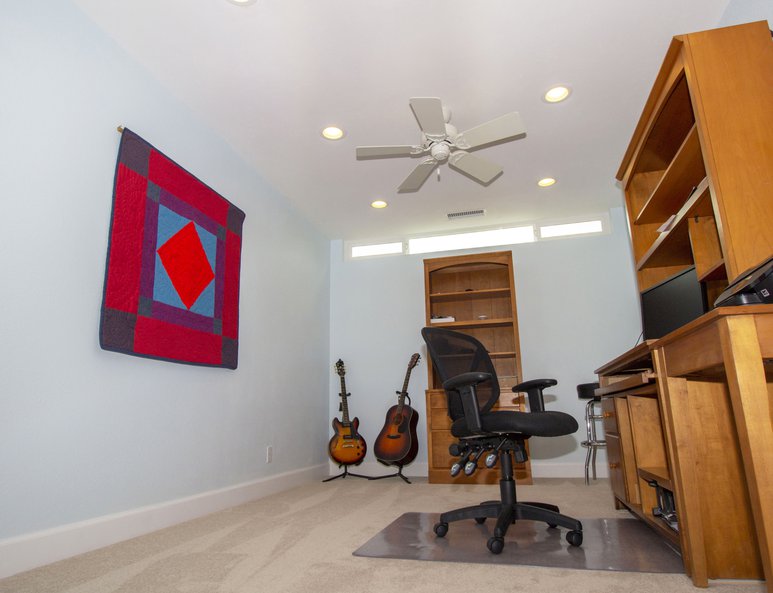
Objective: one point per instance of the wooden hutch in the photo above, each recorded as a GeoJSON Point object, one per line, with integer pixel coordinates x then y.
{"type": "Point", "coordinates": [689, 416]}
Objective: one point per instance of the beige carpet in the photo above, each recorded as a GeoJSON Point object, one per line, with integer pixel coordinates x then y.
{"type": "Point", "coordinates": [302, 540]}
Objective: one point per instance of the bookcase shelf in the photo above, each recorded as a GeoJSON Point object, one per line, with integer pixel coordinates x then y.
{"type": "Point", "coordinates": [678, 181]}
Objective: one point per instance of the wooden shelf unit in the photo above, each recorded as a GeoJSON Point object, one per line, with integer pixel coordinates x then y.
{"type": "Point", "coordinates": [478, 291]}
{"type": "Point", "coordinates": [701, 152]}
{"type": "Point", "coordinates": [697, 177]}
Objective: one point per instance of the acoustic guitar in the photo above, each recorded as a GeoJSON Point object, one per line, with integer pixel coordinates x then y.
{"type": "Point", "coordinates": [346, 447]}
{"type": "Point", "coordinates": [397, 443]}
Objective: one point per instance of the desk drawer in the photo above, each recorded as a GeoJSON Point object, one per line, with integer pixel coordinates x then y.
{"type": "Point", "coordinates": [439, 419]}
{"type": "Point", "coordinates": [615, 461]}
{"type": "Point", "coordinates": [609, 415]}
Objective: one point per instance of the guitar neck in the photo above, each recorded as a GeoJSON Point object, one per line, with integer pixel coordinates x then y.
{"type": "Point", "coordinates": [404, 391]}
{"type": "Point", "coordinates": [344, 404]}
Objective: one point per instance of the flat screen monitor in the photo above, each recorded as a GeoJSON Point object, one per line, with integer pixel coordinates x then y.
{"type": "Point", "coordinates": [672, 303]}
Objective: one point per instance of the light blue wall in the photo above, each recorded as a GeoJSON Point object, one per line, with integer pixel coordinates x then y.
{"type": "Point", "coordinates": [746, 11]}
{"type": "Point", "coordinates": [577, 309]}
{"type": "Point", "coordinates": [84, 432]}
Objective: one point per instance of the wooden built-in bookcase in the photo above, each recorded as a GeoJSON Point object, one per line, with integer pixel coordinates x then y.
{"type": "Point", "coordinates": [478, 292]}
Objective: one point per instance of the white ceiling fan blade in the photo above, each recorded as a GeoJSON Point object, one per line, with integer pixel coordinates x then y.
{"type": "Point", "coordinates": [418, 176]}
{"type": "Point", "coordinates": [476, 167]}
{"type": "Point", "coordinates": [501, 128]}
{"type": "Point", "coordinates": [429, 113]}
{"type": "Point", "coordinates": [364, 152]}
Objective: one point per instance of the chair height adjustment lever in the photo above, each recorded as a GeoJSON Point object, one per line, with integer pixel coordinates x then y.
{"type": "Point", "coordinates": [457, 466]}
{"type": "Point", "coordinates": [472, 464]}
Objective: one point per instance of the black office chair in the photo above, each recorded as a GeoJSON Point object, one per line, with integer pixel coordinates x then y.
{"type": "Point", "coordinates": [472, 389]}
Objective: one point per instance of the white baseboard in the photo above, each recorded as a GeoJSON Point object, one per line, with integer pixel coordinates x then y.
{"type": "Point", "coordinates": [566, 470]}
{"type": "Point", "coordinates": [32, 550]}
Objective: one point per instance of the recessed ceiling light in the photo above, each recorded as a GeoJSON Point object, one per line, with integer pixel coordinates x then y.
{"type": "Point", "coordinates": [557, 94]}
{"type": "Point", "coordinates": [333, 133]}
{"type": "Point", "coordinates": [546, 182]}
{"type": "Point", "coordinates": [378, 204]}
{"type": "Point", "coordinates": [242, 2]}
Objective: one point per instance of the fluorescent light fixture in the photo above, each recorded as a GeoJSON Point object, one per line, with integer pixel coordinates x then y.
{"type": "Point", "coordinates": [557, 94]}
{"type": "Point", "coordinates": [333, 133]}
{"type": "Point", "coordinates": [380, 249]}
{"type": "Point", "coordinates": [546, 182]}
{"type": "Point", "coordinates": [378, 204]}
{"type": "Point", "coordinates": [508, 236]}
{"type": "Point", "coordinates": [572, 228]}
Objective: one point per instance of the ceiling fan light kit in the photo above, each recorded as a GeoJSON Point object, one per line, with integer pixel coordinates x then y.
{"type": "Point", "coordinates": [441, 141]}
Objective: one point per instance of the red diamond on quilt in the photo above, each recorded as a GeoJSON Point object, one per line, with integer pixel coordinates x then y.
{"type": "Point", "coordinates": [186, 264]}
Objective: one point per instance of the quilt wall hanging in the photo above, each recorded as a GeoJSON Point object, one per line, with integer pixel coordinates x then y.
{"type": "Point", "coordinates": [172, 275]}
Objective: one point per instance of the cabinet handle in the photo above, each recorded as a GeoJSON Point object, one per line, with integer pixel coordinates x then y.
{"type": "Point", "coordinates": [614, 465]}
{"type": "Point", "coordinates": [608, 415]}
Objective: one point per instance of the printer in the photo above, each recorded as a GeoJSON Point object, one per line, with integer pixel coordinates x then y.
{"type": "Point", "coordinates": [753, 287]}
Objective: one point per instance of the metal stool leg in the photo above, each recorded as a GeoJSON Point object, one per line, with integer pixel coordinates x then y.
{"type": "Point", "coordinates": [587, 464]}
{"type": "Point", "coordinates": [589, 438]}
{"type": "Point", "coordinates": [592, 442]}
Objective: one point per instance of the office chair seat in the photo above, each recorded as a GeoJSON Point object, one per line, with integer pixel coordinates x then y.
{"type": "Point", "coordinates": [472, 389]}
{"type": "Point", "coordinates": [526, 424]}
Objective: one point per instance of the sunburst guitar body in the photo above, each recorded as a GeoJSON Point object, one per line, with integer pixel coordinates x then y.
{"type": "Point", "coordinates": [347, 447]}
{"type": "Point", "coordinates": [397, 443]}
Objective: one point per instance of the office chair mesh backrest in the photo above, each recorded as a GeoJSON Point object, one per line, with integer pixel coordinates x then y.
{"type": "Point", "coordinates": [452, 354]}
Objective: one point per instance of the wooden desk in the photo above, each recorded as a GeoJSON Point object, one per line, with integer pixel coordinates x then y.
{"type": "Point", "coordinates": [714, 395]}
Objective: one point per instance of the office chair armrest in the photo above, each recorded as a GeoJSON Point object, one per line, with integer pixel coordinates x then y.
{"type": "Point", "coordinates": [465, 379]}
{"type": "Point", "coordinates": [465, 384]}
{"type": "Point", "coordinates": [533, 389]}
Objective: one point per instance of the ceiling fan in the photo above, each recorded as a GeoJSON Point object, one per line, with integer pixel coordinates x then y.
{"type": "Point", "coordinates": [440, 142]}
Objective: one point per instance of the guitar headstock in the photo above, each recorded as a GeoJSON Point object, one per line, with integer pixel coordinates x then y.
{"type": "Point", "coordinates": [414, 360]}
{"type": "Point", "coordinates": [340, 368]}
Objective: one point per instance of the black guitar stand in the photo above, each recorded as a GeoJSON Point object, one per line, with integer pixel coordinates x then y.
{"type": "Point", "coordinates": [345, 473]}
{"type": "Point", "coordinates": [399, 474]}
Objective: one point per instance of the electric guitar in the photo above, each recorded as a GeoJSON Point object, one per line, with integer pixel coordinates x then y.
{"type": "Point", "coordinates": [397, 443]}
{"type": "Point", "coordinates": [346, 447]}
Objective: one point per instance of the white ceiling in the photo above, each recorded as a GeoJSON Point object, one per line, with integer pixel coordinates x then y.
{"type": "Point", "coordinates": [269, 76]}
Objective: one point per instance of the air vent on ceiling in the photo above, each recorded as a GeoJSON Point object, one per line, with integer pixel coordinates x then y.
{"type": "Point", "coordinates": [465, 214]}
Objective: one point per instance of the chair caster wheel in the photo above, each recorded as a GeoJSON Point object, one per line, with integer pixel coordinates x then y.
{"type": "Point", "coordinates": [441, 529]}
{"type": "Point", "coordinates": [574, 538]}
{"type": "Point", "coordinates": [496, 545]}
{"type": "Point", "coordinates": [480, 520]}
